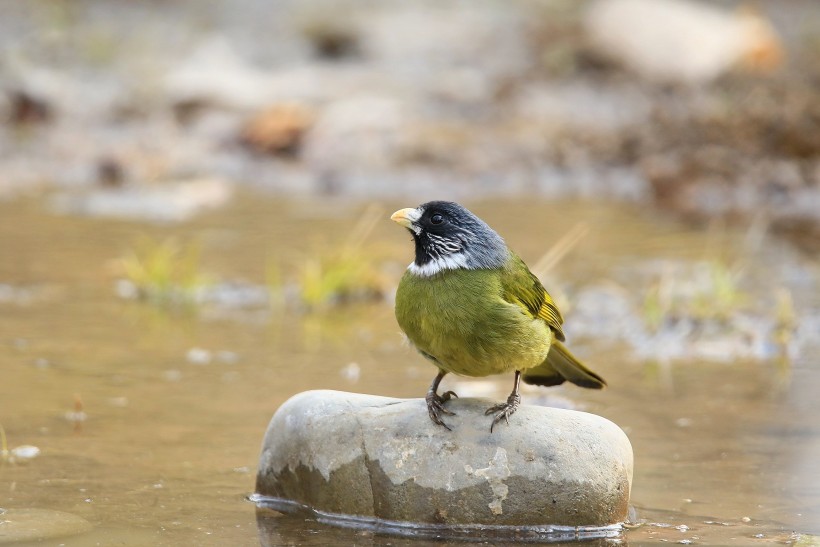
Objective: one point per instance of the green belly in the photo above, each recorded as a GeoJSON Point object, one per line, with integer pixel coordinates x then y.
{"type": "Point", "coordinates": [459, 318]}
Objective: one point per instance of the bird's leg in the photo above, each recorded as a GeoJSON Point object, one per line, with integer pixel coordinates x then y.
{"type": "Point", "coordinates": [435, 402]}
{"type": "Point", "coordinates": [505, 410]}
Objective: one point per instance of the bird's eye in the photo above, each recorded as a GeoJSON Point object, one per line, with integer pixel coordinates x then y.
{"type": "Point", "coordinates": [436, 219]}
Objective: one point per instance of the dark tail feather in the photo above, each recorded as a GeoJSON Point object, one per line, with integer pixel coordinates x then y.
{"type": "Point", "coordinates": [542, 378]}
{"type": "Point", "coordinates": [561, 365]}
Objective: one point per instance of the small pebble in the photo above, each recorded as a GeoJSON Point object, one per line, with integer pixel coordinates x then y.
{"type": "Point", "coordinates": [126, 290]}
{"type": "Point", "coordinates": [172, 375]}
{"type": "Point", "coordinates": [198, 356]}
{"type": "Point", "coordinates": [227, 357]}
{"type": "Point", "coordinates": [25, 452]}
{"type": "Point", "coordinates": [76, 416]}
{"type": "Point", "coordinates": [351, 372]}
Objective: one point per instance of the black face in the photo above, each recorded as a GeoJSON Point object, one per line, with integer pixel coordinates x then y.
{"type": "Point", "coordinates": [443, 217]}
{"type": "Point", "coordinates": [446, 228]}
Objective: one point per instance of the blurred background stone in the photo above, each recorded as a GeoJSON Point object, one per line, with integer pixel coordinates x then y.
{"type": "Point", "coordinates": [564, 99]}
{"type": "Point", "coordinates": [682, 41]}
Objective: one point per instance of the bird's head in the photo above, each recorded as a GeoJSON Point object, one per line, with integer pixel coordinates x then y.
{"type": "Point", "coordinates": [449, 237]}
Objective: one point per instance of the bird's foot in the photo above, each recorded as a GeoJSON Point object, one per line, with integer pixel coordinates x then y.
{"type": "Point", "coordinates": [503, 411]}
{"type": "Point", "coordinates": [435, 406]}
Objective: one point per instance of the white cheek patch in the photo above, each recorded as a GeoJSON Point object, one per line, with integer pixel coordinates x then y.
{"type": "Point", "coordinates": [448, 262]}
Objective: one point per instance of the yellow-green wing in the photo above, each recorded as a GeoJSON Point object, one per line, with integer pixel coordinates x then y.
{"type": "Point", "coordinates": [521, 287]}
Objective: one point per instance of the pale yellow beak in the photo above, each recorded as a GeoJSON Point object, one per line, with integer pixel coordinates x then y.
{"type": "Point", "coordinates": [406, 217]}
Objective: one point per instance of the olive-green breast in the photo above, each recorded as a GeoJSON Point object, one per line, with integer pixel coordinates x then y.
{"type": "Point", "coordinates": [461, 319]}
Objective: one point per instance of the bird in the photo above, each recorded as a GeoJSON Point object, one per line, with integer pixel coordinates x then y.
{"type": "Point", "coordinates": [472, 307]}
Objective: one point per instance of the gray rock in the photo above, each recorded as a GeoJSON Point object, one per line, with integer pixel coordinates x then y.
{"type": "Point", "coordinates": [382, 459]}
{"type": "Point", "coordinates": [467, 50]}
{"type": "Point", "coordinates": [367, 130]}
{"type": "Point", "coordinates": [172, 201]}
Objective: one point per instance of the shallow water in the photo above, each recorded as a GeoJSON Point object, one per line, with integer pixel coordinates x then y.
{"type": "Point", "coordinates": [151, 444]}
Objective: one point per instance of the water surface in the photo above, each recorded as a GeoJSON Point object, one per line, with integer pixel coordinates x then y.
{"type": "Point", "coordinates": [153, 445]}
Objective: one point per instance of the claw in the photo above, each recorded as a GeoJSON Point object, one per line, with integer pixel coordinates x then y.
{"type": "Point", "coordinates": [503, 411]}
{"type": "Point", "coordinates": [435, 407]}
{"type": "Point", "coordinates": [447, 395]}
{"type": "Point", "coordinates": [435, 402]}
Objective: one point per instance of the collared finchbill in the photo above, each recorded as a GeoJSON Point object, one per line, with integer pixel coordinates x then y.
{"type": "Point", "coordinates": [406, 217]}
{"type": "Point", "coordinates": [465, 285]}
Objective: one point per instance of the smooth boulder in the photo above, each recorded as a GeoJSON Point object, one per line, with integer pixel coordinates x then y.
{"type": "Point", "coordinates": [382, 459]}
